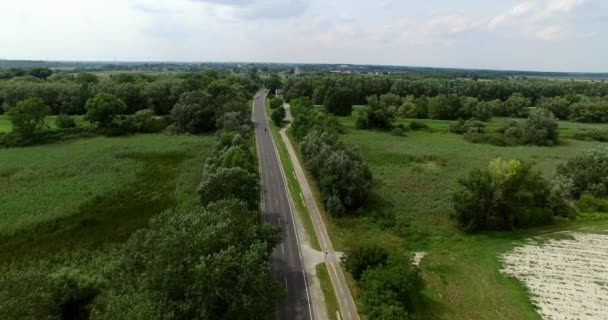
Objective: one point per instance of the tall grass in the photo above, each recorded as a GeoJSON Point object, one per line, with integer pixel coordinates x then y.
{"type": "Point", "coordinates": [87, 193]}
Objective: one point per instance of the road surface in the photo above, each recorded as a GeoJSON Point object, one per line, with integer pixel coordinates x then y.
{"type": "Point", "coordinates": [287, 263]}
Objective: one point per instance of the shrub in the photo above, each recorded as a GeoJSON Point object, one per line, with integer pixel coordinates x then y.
{"type": "Point", "coordinates": [275, 103]}
{"type": "Point", "coordinates": [589, 203]}
{"type": "Point", "coordinates": [505, 196]}
{"type": "Point", "coordinates": [103, 108]}
{"type": "Point", "coordinates": [592, 135]}
{"type": "Point", "coordinates": [399, 131]}
{"type": "Point", "coordinates": [145, 121]}
{"type": "Point", "coordinates": [64, 121]}
{"type": "Point", "coordinates": [392, 291]}
{"type": "Point", "coordinates": [361, 258]}
{"type": "Point", "coordinates": [417, 125]}
{"type": "Point", "coordinates": [73, 292]}
{"type": "Point", "coordinates": [28, 116]}
{"type": "Point", "coordinates": [588, 172]}
{"type": "Point", "coordinates": [469, 126]}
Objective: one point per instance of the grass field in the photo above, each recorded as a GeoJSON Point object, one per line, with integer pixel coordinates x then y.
{"type": "Point", "coordinates": [410, 207]}
{"type": "Point", "coordinates": [6, 126]}
{"type": "Point", "coordinates": [91, 192]}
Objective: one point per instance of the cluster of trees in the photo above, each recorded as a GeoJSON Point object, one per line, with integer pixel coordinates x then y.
{"type": "Point", "coordinates": [540, 128]}
{"type": "Point", "coordinates": [208, 261]}
{"type": "Point", "coordinates": [344, 177]}
{"type": "Point", "coordinates": [391, 283]}
{"type": "Point", "coordinates": [509, 195]}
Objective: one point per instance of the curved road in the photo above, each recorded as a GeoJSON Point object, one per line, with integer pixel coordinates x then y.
{"type": "Point", "coordinates": [287, 262]}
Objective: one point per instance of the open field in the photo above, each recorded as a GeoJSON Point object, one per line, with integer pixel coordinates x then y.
{"type": "Point", "coordinates": [83, 194]}
{"type": "Point", "coordinates": [7, 126]}
{"type": "Point", "coordinates": [565, 273]}
{"type": "Point", "coordinates": [410, 208]}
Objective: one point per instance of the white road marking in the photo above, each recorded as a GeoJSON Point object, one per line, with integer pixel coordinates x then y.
{"type": "Point", "coordinates": [336, 274]}
{"type": "Point", "coordinates": [285, 284]}
{"type": "Point", "coordinates": [283, 248]}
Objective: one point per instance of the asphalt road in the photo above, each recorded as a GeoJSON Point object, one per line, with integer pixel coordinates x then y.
{"type": "Point", "coordinates": [287, 263]}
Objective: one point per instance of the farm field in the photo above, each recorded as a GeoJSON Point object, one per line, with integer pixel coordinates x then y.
{"type": "Point", "coordinates": [6, 125]}
{"type": "Point", "coordinates": [410, 208]}
{"type": "Point", "coordinates": [85, 194]}
{"type": "Point", "coordinates": [565, 273]}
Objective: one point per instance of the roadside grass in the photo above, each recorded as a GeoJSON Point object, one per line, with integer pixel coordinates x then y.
{"type": "Point", "coordinates": [292, 183]}
{"type": "Point", "coordinates": [410, 207]}
{"type": "Point", "coordinates": [88, 193]}
{"type": "Point", "coordinates": [6, 125]}
{"type": "Point", "coordinates": [331, 302]}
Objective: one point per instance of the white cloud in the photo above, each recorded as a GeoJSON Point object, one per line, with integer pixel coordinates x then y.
{"type": "Point", "coordinates": [552, 33]}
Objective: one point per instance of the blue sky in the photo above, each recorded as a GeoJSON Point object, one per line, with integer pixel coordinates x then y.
{"type": "Point", "coordinates": [553, 35]}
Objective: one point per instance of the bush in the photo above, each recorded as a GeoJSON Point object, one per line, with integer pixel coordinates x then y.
{"type": "Point", "coordinates": [361, 258]}
{"type": "Point", "coordinates": [592, 135]}
{"type": "Point", "coordinates": [589, 203]}
{"type": "Point", "coordinates": [588, 172]}
{"type": "Point", "coordinates": [275, 103]}
{"type": "Point", "coordinates": [417, 125]}
{"type": "Point", "coordinates": [469, 126]}
{"type": "Point", "coordinates": [145, 121]}
{"type": "Point", "coordinates": [505, 196]}
{"type": "Point", "coordinates": [392, 291]}
{"type": "Point", "coordinates": [28, 116]}
{"type": "Point", "coordinates": [121, 125]}
{"type": "Point", "coordinates": [399, 131]}
{"type": "Point", "coordinates": [64, 121]}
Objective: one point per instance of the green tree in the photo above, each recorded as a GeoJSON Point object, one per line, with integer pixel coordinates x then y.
{"type": "Point", "coordinates": [361, 258]}
{"type": "Point", "coordinates": [103, 108]}
{"type": "Point", "coordinates": [278, 116]}
{"type": "Point", "coordinates": [541, 128]}
{"type": "Point", "coordinates": [65, 121]}
{"type": "Point", "coordinates": [507, 195]}
{"type": "Point", "coordinates": [195, 112]}
{"type": "Point", "coordinates": [339, 101]}
{"type": "Point", "coordinates": [392, 291]}
{"type": "Point", "coordinates": [273, 82]}
{"type": "Point", "coordinates": [28, 116]}
{"type": "Point", "coordinates": [587, 172]}
{"type": "Point", "coordinates": [225, 183]}
{"type": "Point", "coordinates": [516, 106]}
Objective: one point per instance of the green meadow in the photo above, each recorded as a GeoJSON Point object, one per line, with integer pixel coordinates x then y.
{"type": "Point", "coordinates": [89, 193]}
{"type": "Point", "coordinates": [410, 208]}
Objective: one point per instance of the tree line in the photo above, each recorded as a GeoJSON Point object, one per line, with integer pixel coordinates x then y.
{"type": "Point", "coordinates": [450, 99]}
{"type": "Point", "coordinates": [343, 176]}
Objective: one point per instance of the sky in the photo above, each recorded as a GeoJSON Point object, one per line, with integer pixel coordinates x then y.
{"type": "Point", "coordinates": [543, 35]}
